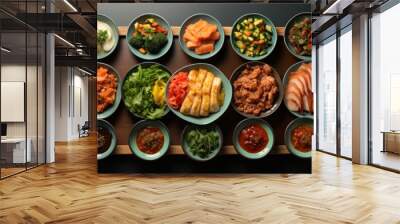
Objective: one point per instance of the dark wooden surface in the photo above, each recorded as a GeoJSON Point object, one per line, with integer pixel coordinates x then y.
{"type": "Point", "coordinates": [227, 61]}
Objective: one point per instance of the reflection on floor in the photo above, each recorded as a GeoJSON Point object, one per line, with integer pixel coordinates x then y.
{"type": "Point", "coordinates": [11, 169]}
{"type": "Point", "coordinates": [387, 159]}
{"type": "Point", "coordinates": [71, 191]}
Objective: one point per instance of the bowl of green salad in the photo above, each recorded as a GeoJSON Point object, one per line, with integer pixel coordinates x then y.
{"type": "Point", "coordinates": [202, 143]}
{"type": "Point", "coordinates": [143, 90]}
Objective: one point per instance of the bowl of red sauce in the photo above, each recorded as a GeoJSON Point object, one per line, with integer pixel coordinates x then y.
{"type": "Point", "coordinates": [149, 139]}
{"type": "Point", "coordinates": [298, 137]}
{"type": "Point", "coordinates": [253, 138]}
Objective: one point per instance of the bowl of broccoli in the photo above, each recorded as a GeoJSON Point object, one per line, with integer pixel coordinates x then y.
{"type": "Point", "coordinates": [149, 36]}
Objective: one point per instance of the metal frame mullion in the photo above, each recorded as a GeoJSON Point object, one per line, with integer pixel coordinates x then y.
{"type": "Point", "coordinates": [0, 95]}
{"type": "Point", "coordinates": [26, 88]}
{"type": "Point", "coordinates": [369, 78]}
{"type": "Point", "coordinates": [338, 98]}
{"type": "Point", "coordinates": [316, 115]}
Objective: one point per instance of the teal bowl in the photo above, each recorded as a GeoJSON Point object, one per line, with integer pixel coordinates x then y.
{"type": "Point", "coordinates": [110, 110]}
{"type": "Point", "coordinates": [296, 18]}
{"type": "Point", "coordinates": [288, 133]}
{"type": "Point", "coordinates": [278, 101]}
{"type": "Point", "coordinates": [187, 149]}
{"type": "Point", "coordinates": [210, 19]}
{"type": "Point", "coordinates": [269, 49]}
{"type": "Point", "coordinates": [107, 20]}
{"type": "Point", "coordinates": [160, 20]}
{"type": "Point", "coordinates": [226, 87]}
{"type": "Point", "coordinates": [104, 124]}
{"type": "Point", "coordinates": [293, 68]}
{"type": "Point", "coordinates": [129, 73]}
{"type": "Point", "coordinates": [143, 124]}
{"type": "Point", "coordinates": [245, 123]}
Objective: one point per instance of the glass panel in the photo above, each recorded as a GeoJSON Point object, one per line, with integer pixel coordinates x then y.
{"type": "Point", "coordinates": [385, 89]}
{"type": "Point", "coordinates": [31, 98]}
{"type": "Point", "coordinates": [41, 99]}
{"type": "Point", "coordinates": [346, 94]}
{"type": "Point", "coordinates": [32, 88]}
{"type": "Point", "coordinates": [327, 96]}
{"type": "Point", "coordinates": [13, 89]}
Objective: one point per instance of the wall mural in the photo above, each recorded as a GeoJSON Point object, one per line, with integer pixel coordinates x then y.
{"type": "Point", "coordinates": [204, 88]}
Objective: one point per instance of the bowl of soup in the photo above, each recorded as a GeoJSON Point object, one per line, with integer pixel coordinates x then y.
{"type": "Point", "coordinates": [253, 138]}
{"type": "Point", "coordinates": [149, 140]}
{"type": "Point", "coordinates": [298, 137]}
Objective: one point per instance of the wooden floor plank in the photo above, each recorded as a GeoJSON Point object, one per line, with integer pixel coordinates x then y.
{"type": "Point", "coordinates": [71, 191]}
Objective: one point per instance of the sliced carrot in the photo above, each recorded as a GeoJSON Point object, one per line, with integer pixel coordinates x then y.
{"type": "Point", "coordinates": [192, 44]}
{"type": "Point", "coordinates": [215, 36]}
{"type": "Point", "coordinates": [206, 32]}
{"type": "Point", "coordinates": [205, 48]}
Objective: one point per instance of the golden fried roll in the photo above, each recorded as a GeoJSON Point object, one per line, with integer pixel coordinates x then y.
{"type": "Point", "coordinates": [195, 110]}
{"type": "Point", "coordinates": [188, 101]}
{"type": "Point", "coordinates": [205, 95]}
{"type": "Point", "coordinates": [215, 91]}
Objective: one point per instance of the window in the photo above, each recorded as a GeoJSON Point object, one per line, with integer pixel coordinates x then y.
{"type": "Point", "coordinates": [326, 100]}
{"type": "Point", "coordinates": [385, 89]}
{"type": "Point", "coordinates": [346, 72]}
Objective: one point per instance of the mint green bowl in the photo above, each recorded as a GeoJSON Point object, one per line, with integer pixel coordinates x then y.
{"type": "Point", "coordinates": [210, 19]}
{"type": "Point", "coordinates": [110, 110]}
{"type": "Point", "coordinates": [288, 133]}
{"type": "Point", "coordinates": [245, 123]}
{"type": "Point", "coordinates": [107, 20]}
{"type": "Point", "coordinates": [143, 124]}
{"type": "Point", "coordinates": [104, 124]}
{"type": "Point", "coordinates": [278, 100]}
{"type": "Point", "coordinates": [269, 49]}
{"type": "Point", "coordinates": [296, 18]}
{"type": "Point", "coordinates": [186, 147]}
{"type": "Point", "coordinates": [226, 87]}
{"type": "Point", "coordinates": [160, 20]}
{"type": "Point", "coordinates": [293, 68]}
{"type": "Point", "coordinates": [129, 73]}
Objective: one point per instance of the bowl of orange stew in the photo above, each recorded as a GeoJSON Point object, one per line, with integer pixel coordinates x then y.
{"type": "Point", "coordinates": [149, 139]}
{"type": "Point", "coordinates": [108, 90]}
{"type": "Point", "coordinates": [298, 137]}
{"type": "Point", "coordinates": [253, 138]}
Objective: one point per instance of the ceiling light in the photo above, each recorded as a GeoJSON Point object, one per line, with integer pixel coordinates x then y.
{"type": "Point", "coordinates": [64, 40]}
{"type": "Point", "coordinates": [5, 49]}
{"type": "Point", "coordinates": [331, 7]}
{"type": "Point", "coordinates": [70, 5]}
{"type": "Point", "coordinates": [84, 71]}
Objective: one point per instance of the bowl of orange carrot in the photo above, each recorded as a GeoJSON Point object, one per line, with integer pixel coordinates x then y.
{"type": "Point", "coordinates": [201, 36]}
{"type": "Point", "coordinates": [108, 90]}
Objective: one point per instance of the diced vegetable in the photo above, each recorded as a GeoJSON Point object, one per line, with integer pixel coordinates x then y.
{"type": "Point", "coordinates": [253, 36]}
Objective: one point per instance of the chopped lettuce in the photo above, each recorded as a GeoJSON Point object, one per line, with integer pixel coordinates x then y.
{"type": "Point", "coordinates": [137, 90]}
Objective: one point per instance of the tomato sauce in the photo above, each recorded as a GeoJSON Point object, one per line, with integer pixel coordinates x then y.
{"type": "Point", "coordinates": [253, 138]}
{"type": "Point", "coordinates": [150, 140]}
{"type": "Point", "coordinates": [302, 137]}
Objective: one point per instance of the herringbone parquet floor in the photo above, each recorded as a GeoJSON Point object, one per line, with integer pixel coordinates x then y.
{"type": "Point", "coordinates": [70, 191]}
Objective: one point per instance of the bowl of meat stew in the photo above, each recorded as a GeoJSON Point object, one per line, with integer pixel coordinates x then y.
{"type": "Point", "coordinates": [257, 90]}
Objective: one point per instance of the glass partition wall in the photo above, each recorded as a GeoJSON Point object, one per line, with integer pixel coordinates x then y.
{"type": "Point", "coordinates": [326, 99]}
{"type": "Point", "coordinates": [334, 94]}
{"type": "Point", "coordinates": [385, 89]}
{"type": "Point", "coordinates": [22, 107]}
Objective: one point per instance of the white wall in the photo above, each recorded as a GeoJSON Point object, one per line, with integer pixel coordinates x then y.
{"type": "Point", "coordinates": [71, 93]}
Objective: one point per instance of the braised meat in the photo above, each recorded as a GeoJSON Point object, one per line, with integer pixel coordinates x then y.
{"type": "Point", "coordinates": [255, 89]}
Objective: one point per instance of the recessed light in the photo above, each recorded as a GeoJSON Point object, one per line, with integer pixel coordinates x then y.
{"type": "Point", "coordinates": [64, 40]}
{"type": "Point", "coordinates": [70, 5]}
{"type": "Point", "coordinates": [5, 50]}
